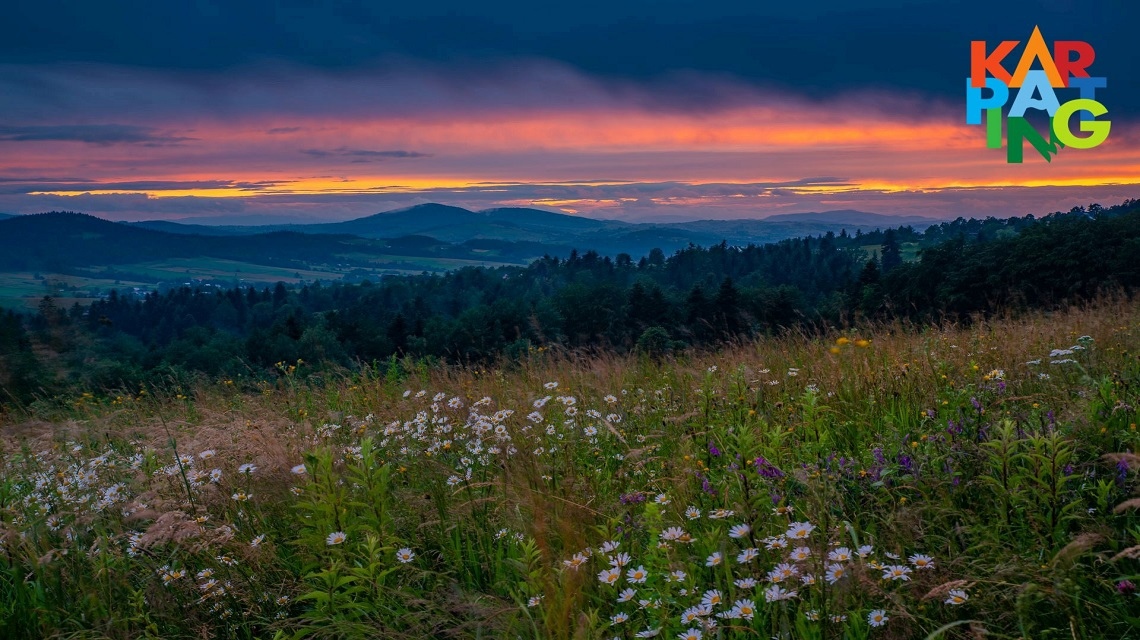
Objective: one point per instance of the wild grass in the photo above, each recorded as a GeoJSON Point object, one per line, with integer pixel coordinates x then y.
{"type": "Point", "coordinates": [889, 482]}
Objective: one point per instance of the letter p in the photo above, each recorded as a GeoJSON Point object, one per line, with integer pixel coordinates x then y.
{"type": "Point", "coordinates": [976, 104]}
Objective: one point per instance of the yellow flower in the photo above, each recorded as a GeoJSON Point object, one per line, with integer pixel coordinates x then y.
{"type": "Point", "coordinates": [834, 349]}
{"type": "Point", "coordinates": [863, 343]}
{"type": "Point", "coordinates": [842, 341]}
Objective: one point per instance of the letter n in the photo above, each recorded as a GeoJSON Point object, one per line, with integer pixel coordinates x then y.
{"type": "Point", "coordinates": [1018, 130]}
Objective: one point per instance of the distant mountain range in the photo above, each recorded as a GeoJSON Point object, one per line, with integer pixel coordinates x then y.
{"type": "Point", "coordinates": [561, 231]}
{"type": "Point", "coordinates": [425, 237]}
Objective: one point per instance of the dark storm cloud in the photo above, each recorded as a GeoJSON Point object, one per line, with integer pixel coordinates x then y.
{"type": "Point", "coordinates": [816, 48]}
{"type": "Point", "coordinates": [100, 134]}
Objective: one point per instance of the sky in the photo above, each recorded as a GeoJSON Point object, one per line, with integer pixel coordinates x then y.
{"type": "Point", "coordinates": [656, 110]}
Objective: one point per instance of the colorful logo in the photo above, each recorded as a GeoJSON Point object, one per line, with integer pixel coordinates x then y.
{"type": "Point", "coordinates": [1066, 68]}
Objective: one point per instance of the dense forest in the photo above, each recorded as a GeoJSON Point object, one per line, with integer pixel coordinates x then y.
{"type": "Point", "coordinates": [656, 304]}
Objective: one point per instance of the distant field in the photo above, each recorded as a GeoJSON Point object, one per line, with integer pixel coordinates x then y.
{"type": "Point", "coordinates": [417, 264]}
{"type": "Point", "coordinates": [175, 269]}
{"type": "Point", "coordinates": [24, 289]}
{"type": "Point", "coordinates": [909, 250]}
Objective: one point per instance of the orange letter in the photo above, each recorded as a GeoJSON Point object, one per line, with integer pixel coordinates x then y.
{"type": "Point", "coordinates": [981, 64]}
{"type": "Point", "coordinates": [1036, 48]}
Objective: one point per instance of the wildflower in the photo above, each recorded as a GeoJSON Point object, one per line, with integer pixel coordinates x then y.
{"type": "Point", "coordinates": [783, 571]}
{"type": "Point", "coordinates": [744, 609]}
{"type": "Point", "coordinates": [783, 510]}
{"type": "Point", "coordinates": [834, 573]}
{"type": "Point", "coordinates": [620, 560]}
{"type": "Point", "coordinates": [808, 579]}
{"type": "Point", "coordinates": [690, 634]}
{"type": "Point", "coordinates": [877, 618]}
{"type": "Point", "coordinates": [534, 601]}
{"type": "Point", "coordinates": [777, 542]}
{"type": "Point", "coordinates": [739, 531]}
{"type": "Point", "coordinates": [626, 595]}
{"type": "Point", "coordinates": [721, 513]}
{"type": "Point", "coordinates": [745, 583]}
{"type": "Point", "coordinates": [637, 576]}
{"type": "Point", "coordinates": [957, 597]}
{"type": "Point", "coordinates": [256, 542]}
{"type": "Point", "coordinates": [618, 618]}
{"type": "Point", "coordinates": [648, 633]}
{"type": "Point", "coordinates": [922, 561]}
{"type": "Point", "coordinates": [776, 593]}
{"type": "Point", "coordinates": [247, 468]}
{"type": "Point", "coordinates": [1125, 587]}
{"type": "Point", "coordinates": [865, 551]}
{"type": "Point", "coordinates": [672, 533]}
{"type": "Point", "coordinates": [692, 513]}
{"type": "Point", "coordinates": [336, 537]}
{"type": "Point", "coordinates": [892, 556]}
{"type": "Point", "coordinates": [896, 572]}
{"type": "Point", "coordinates": [713, 560]}
{"type": "Point", "coordinates": [676, 576]}
{"type": "Point", "coordinates": [839, 618]}
{"type": "Point", "coordinates": [205, 574]}
{"type": "Point", "coordinates": [282, 600]}
{"type": "Point", "coordinates": [800, 530]}
{"type": "Point", "coordinates": [711, 598]}
{"type": "Point", "coordinates": [609, 576]}
{"type": "Point", "coordinates": [609, 546]}
{"type": "Point", "coordinates": [799, 554]}
{"type": "Point", "coordinates": [842, 554]}
{"type": "Point", "coordinates": [550, 386]}
{"type": "Point", "coordinates": [661, 499]}
{"type": "Point", "coordinates": [575, 562]}
{"type": "Point", "coordinates": [748, 555]}
{"type": "Point", "coordinates": [405, 555]}
{"type": "Point", "coordinates": [812, 614]}
{"type": "Point", "coordinates": [207, 454]}
{"type": "Point", "coordinates": [241, 496]}
{"type": "Point", "coordinates": [216, 476]}
{"type": "Point", "coordinates": [298, 470]}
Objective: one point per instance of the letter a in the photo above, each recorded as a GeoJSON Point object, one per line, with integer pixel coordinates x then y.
{"type": "Point", "coordinates": [1036, 48]}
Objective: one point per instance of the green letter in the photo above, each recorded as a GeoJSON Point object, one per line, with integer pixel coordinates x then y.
{"type": "Point", "coordinates": [1098, 129]}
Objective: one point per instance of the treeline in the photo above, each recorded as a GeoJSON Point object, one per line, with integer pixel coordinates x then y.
{"type": "Point", "coordinates": [657, 304]}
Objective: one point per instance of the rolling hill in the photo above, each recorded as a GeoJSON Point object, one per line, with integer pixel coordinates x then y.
{"type": "Point", "coordinates": [558, 231]}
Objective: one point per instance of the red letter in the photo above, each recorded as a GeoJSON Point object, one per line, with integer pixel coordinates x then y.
{"type": "Point", "coordinates": [981, 64]}
{"type": "Point", "coordinates": [1068, 67]}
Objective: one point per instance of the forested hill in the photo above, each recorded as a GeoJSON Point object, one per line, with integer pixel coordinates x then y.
{"type": "Point", "coordinates": [657, 304]}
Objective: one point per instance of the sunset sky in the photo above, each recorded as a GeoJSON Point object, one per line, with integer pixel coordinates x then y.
{"type": "Point", "coordinates": [661, 110]}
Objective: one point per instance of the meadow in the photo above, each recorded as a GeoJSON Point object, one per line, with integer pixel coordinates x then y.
{"type": "Point", "coordinates": [888, 481]}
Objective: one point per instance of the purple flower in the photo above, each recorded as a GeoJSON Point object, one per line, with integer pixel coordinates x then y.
{"type": "Point", "coordinates": [1122, 470]}
{"type": "Point", "coordinates": [906, 463]}
{"type": "Point", "coordinates": [632, 498]}
{"type": "Point", "coordinates": [1125, 587]}
{"type": "Point", "coordinates": [953, 428]}
{"type": "Point", "coordinates": [767, 469]}
{"type": "Point", "coordinates": [713, 450]}
{"type": "Point", "coordinates": [977, 405]}
{"type": "Point", "coordinates": [1068, 470]}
